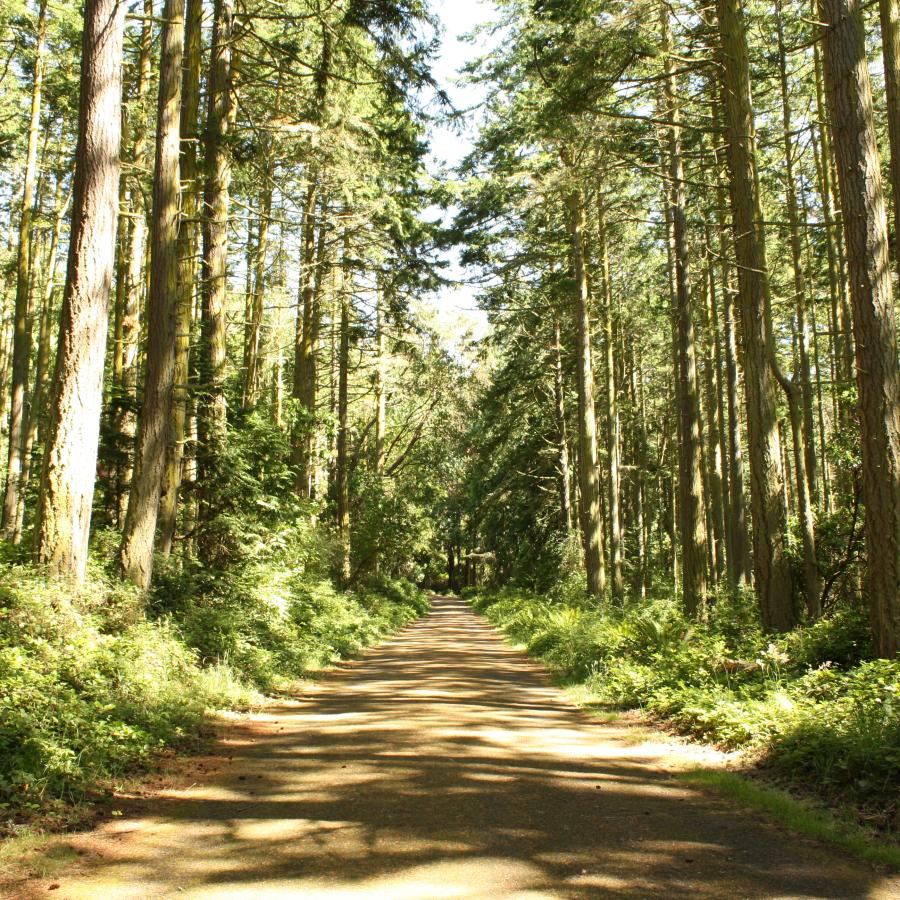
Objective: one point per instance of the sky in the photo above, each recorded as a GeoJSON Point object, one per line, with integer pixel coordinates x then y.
{"type": "Point", "coordinates": [455, 307]}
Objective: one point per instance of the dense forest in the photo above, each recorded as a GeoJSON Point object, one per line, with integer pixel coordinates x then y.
{"type": "Point", "coordinates": [239, 442]}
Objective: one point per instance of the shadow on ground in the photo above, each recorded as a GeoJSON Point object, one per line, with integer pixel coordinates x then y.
{"type": "Point", "coordinates": [445, 766]}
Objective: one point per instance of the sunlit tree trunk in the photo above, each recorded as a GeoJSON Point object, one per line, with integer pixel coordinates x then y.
{"type": "Point", "coordinates": [613, 441]}
{"type": "Point", "coordinates": [304, 361]}
{"type": "Point", "coordinates": [866, 238]}
{"type": "Point", "coordinates": [253, 336]}
{"type": "Point", "coordinates": [380, 381]}
{"type": "Point", "coordinates": [125, 354]}
{"type": "Point", "coordinates": [773, 581]}
{"type": "Point", "coordinates": [213, 413]}
{"type": "Point", "coordinates": [21, 335]}
{"type": "Point", "coordinates": [187, 251]}
{"type": "Point", "coordinates": [136, 552]}
{"type": "Point", "coordinates": [800, 292]}
{"type": "Point", "coordinates": [889, 14]}
{"type": "Point", "coordinates": [342, 463]}
{"type": "Point", "coordinates": [690, 456]}
{"type": "Point", "coordinates": [73, 432]}
{"type": "Point", "coordinates": [589, 480]}
{"type": "Point", "coordinates": [562, 443]}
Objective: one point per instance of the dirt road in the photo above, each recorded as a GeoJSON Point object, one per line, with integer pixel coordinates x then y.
{"type": "Point", "coordinates": [443, 765]}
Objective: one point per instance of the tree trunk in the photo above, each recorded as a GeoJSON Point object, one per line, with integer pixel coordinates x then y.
{"type": "Point", "coordinates": [212, 419]}
{"type": "Point", "coordinates": [591, 521]}
{"type": "Point", "coordinates": [773, 579]}
{"type": "Point", "coordinates": [136, 552]}
{"type": "Point", "coordinates": [187, 251]}
{"type": "Point", "coordinates": [716, 405]}
{"type": "Point", "coordinates": [380, 381]}
{"type": "Point", "coordinates": [866, 238]}
{"type": "Point", "coordinates": [802, 376]}
{"type": "Point", "coordinates": [125, 360]}
{"type": "Point", "coordinates": [21, 333]}
{"type": "Point", "coordinates": [70, 460]}
{"type": "Point", "coordinates": [613, 442]}
{"type": "Point", "coordinates": [889, 13]}
{"type": "Point", "coordinates": [691, 503]}
{"type": "Point", "coordinates": [342, 463]}
{"type": "Point", "coordinates": [305, 362]}
{"type": "Point", "coordinates": [562, 443]}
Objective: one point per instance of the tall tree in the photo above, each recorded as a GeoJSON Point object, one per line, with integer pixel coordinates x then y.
{"type": "Point", "coordinates": [136, 551]}
{"type": "Point", "coordinates": [691, 505]}
{"type": "Point", "coordinates": [213, 414]}
{"type": "Point", "coordinates": [22, 333]}
{"type": "Point", "coordinates": [588, 471]}
{"type": "Point", "coordinates": [773, 581]}
{"type": "Point", "coordinates": [866, 238]}
{"type": "Point", "coordinates": [67, 483]}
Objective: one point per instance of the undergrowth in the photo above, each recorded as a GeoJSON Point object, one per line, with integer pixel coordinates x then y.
{"type": "Point", "coordinates": [95, 679]}
{"type": "Point", "coordinates": [811, 705]}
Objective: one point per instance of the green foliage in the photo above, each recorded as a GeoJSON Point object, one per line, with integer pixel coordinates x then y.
{"type": "Point", "coordinates": [88, 687]}
{"type": "Point", "coordinates": [809, 703]}
{"type": "Point", "coordinates": [91, 684]}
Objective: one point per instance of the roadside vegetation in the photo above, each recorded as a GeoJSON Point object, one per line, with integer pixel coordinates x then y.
{"type": "Point", "coordinates": [812, 708]}
{"type": "Point", "coordinates": [96, 679]}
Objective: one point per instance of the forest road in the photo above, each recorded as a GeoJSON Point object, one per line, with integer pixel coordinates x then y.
{"type": "Point", "coordinates": [443, 764]}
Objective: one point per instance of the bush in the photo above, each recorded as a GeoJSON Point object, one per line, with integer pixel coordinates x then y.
{"type": "Point", "coordinates": [809, 703]}
{"type": "Point", "coordinates": [93, 680]}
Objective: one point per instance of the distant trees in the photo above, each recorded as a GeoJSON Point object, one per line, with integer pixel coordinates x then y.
{"type": "Point", "coordinates": [687, 321]}
{"type": "Point", "coordinates": [728, 353]}
{"type": "Point", "coordinates": [167, 409]}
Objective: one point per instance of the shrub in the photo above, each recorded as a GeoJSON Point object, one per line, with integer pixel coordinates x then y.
{"type": "Point", "coordinates": [93, 680]}
{"type": "Point", "coordinates": [810, 703]}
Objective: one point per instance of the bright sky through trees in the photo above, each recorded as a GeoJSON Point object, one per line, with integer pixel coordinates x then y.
{"type": "Point", "coordinates": [455, 305]}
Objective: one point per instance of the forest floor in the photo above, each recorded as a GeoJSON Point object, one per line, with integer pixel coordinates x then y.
{"type": "Point", "coordinates": [443, 764]}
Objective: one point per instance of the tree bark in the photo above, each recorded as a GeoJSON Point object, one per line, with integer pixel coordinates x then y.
{"type": "Point", "coordinates": [342, 463]}
{"type": "Point", "coordinates": [773, 580]}
{"type": "Point", "coordinates": [136, 552]}
{"type": "Point", "coordinates": [613, 440]}
{"type": "Point", "coordinates": [691, 504]}
{"type": "Point", "coordinates": [187, 251]}
{"type": "Point", "coordinates": [213, 412]}
{"type": "Point", "coordinates": [589, 480]}
{"type": "Point", "coordinates": [70, 460]}
{"type": "Point", "coordinates": [562, 443]}
{"type": "Point", "coordinates": [866, 238]}
{"type": "Point", "coordinates": [889, 14]}
{"type": "Point", "coordinates": [125, 355]}
{"type": "Point", "coordinates": [22, 333]}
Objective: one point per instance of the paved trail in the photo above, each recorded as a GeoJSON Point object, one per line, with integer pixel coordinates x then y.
{"type": "Point", "coordinates": [444, 766]}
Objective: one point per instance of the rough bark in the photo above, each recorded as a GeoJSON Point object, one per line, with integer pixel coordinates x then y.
{"type": "Point", "coordinates": [588, 473]}
{"type": "Point", "coordinates": [889, 15]}
{"type": "Point", "coordinates": [125, 357]}
{"type": "Point", "coordinates": [213, 412]}
{"type": "Point", "coordinates": [253, 332]}
{"type": "Point", "coordinates": [342, 472]}
{"type": "Point", "coordinates": [187, 251]}
{"type": "Point", "coordinates": [21, 333]}
{"type": "Point", "coordinates": [691, 504]}
{"type": "Point", "coordinates": [136, 552]}
{"type": "Point", "coordinates": [69, 471]}
{"type": "Point", "coordinates": [380, 382]}
{"type": "Point", "coordinates": [562, 442]}
{"type": "Point", "coordinates": [866, 238]}
{"type": "Point", "coordinates": [613, 439]}
{"type": "Point", "coordinates": [773, 581]}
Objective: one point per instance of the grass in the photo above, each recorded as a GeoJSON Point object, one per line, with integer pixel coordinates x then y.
{"type": "Point", "coordinates": [800, 815]}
